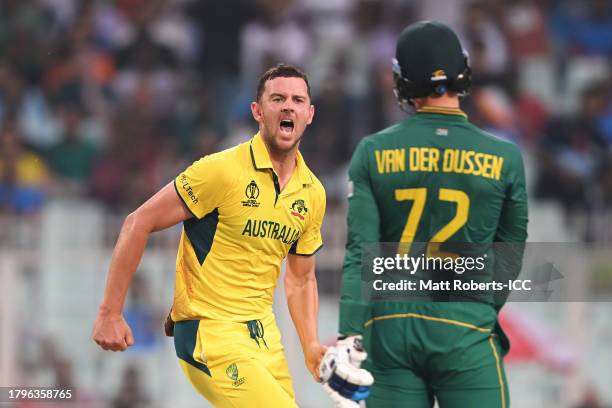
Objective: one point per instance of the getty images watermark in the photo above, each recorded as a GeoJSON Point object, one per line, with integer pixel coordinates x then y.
{"type": "Point", "coordinates": [491, 273]}
{"type": "Point", "coordinates": [434, 263]}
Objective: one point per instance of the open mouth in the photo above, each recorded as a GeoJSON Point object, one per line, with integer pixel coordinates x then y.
{"type": "Point", "coordinates": [286, 125]}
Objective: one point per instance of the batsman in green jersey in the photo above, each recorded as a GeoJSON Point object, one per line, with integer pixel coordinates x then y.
{"type": "Point", "coordinates": [433, 178]}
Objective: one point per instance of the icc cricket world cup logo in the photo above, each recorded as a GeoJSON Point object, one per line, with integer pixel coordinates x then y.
{"type": "Point", "coordinates": [251, 192]}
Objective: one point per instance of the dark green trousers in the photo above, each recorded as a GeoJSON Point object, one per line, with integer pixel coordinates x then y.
{"type": "Point", "coordinates": [421, 351]}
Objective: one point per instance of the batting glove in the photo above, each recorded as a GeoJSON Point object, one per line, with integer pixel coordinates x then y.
{"type": "Point", "coordinates": [341, 375]}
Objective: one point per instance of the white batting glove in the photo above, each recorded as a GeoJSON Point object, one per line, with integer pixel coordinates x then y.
{"type": "Point", "coordinates": [341, 375]}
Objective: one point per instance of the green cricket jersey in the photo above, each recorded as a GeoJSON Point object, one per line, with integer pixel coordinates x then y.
{"type": "Point", "coordinates": [436, 178]}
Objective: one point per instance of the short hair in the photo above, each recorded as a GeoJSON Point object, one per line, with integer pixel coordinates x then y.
{"type": "Point", "coordinates": [281, 71]}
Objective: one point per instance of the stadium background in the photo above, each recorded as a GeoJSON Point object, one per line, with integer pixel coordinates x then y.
{"type": "Point", "coordinates": [103, 102]}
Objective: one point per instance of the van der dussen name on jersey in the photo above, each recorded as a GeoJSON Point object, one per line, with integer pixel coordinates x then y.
{"type": "Point", "coordinates": [432, 159]}
{"type": "Point", "coordinates": [270, 229]}
{"type": "Point", "coordinates": [185, 185]}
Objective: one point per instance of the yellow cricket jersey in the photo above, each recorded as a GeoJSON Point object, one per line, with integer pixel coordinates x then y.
{"type": "Point", "coordinates": [229, 256]}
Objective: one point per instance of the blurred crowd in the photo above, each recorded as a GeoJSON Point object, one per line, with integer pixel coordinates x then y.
{"type": "Point", "coordinates": [110, 99]}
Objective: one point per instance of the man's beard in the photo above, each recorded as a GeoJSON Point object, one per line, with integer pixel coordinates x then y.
{"type": "Point", "coordinates": [275, 149]}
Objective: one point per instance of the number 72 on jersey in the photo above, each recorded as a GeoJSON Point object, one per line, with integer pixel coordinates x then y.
{"type": "Point", "coordinates": [419, 197]}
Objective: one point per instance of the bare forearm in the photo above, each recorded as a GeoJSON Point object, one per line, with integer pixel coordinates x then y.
{"type": "Point", "coordinates": [161, 211]}
{"type": "Point", "coordinates": [124, 262]}
{"type": "Point", "coordinates": [303, 302]}
{"type": "Point", "coordinates": [165, 208]}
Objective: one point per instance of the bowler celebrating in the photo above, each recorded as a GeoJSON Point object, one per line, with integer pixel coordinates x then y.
{"type": "Point", "coordinates": [243, 210]}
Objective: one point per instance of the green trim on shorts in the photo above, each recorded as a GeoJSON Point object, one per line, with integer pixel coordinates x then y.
{"type": "Point", "coordinates": [185, 335]}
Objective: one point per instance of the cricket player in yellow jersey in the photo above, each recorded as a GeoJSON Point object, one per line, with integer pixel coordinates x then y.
{"type": "Point", "coordinates": [243, 210]}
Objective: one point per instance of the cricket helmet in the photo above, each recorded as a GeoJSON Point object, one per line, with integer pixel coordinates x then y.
{"type": "Point", "coordinates": [429, 60]}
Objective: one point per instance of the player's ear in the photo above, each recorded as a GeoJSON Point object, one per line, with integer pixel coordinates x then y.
{"type": "Point", "coordinates": [256, 111]}
{"type": "Point", "coordinates": [310, 114]}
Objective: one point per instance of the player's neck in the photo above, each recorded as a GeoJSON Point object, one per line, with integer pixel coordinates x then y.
{"type": "Point", "coordinates": [284, 169]}
{"type": "Point", "coordinates": [284, 164]}
{"type": "Point", "coordinates": [442, 101]}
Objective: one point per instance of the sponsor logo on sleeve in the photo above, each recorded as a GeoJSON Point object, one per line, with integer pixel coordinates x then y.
{"type": "Point", "coordinates": [188, 190]}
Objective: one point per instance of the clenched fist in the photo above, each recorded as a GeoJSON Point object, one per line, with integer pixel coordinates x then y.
{"type": "Point", "coordinates": [111, 332]}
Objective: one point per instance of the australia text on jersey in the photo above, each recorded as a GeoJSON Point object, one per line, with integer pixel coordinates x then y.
{"type": "Point", "coordinates": [270, 229]}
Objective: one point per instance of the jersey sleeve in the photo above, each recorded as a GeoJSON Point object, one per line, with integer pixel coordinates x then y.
{"type": "Point", "coordinates": [511, 232]}
{"type": "Point", "coordinates": [204, 185]}
{"type": "Point", "coordinates": [363, 226]}
{"type": "Point", "coordinates": [512, 226]}
{"type": "Point", "coordinates": [311, 241]}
